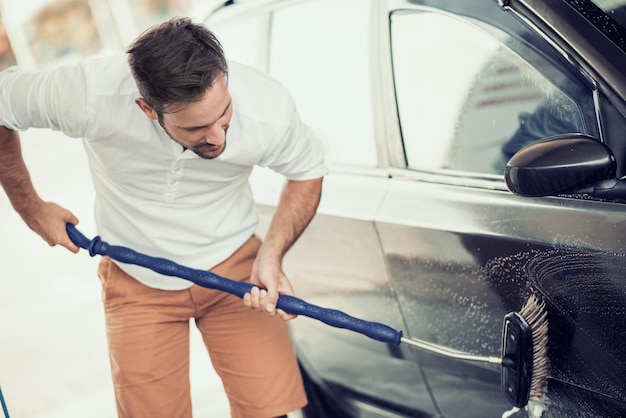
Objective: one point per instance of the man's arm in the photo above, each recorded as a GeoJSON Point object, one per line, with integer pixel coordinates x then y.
{"type": "Point", "coordinates": [296, 208]}
{"type": "Point", "coordinates": [45, 218]}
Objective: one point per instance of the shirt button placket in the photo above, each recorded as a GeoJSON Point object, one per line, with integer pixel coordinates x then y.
{"type": "Point", "coordinates": [173, 180]}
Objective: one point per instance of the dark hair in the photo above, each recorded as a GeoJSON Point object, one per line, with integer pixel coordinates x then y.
{"type": "Point", "coordinates": [175, 63]}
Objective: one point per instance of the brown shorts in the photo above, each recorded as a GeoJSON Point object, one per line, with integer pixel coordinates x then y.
{"type": "Point", "coordinates": [148, 335]}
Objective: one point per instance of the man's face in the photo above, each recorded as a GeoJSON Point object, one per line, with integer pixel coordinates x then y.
{"type": "Point", "coordinates": [202, 126]}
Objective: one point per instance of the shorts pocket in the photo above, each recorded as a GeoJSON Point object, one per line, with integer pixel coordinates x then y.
{"type": "Point", "coordinates": [107, 273]}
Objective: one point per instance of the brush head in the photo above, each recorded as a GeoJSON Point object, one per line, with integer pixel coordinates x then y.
{"type": "Point", "coordinates": [535, 314]}
{"type": "Point", "coordinates": [524, 354]}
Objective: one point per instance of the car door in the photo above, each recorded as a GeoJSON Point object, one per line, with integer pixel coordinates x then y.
{"type": "Point", "coordinates": [473, 85]}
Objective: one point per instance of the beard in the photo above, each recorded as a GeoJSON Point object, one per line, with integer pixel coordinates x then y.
{"type": "Point", "coordinates": [204, 150]}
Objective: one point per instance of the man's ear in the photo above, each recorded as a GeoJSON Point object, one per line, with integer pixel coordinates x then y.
{"type": "Point", "coordinates": [146, 108]}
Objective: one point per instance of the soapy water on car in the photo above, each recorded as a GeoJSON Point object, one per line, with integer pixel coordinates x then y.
{"type": "Point", "coordinates": [468, 297]}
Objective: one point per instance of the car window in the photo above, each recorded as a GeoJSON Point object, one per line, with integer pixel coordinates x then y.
{"type": "Point", "coordinates": [466, 101]}
{"type": "Point", "coordinates": [320, 51]}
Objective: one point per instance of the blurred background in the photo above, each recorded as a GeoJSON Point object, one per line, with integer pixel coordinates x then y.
{"type": "Point", "coordinates": [53, 354]}
{"type": "Point", "coordinates": [40, 33]}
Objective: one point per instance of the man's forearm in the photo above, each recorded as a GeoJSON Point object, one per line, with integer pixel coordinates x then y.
{"type": "Point", "coordinates": [298, 204]}
{"type": "Point", "coordinates": [14, 175]}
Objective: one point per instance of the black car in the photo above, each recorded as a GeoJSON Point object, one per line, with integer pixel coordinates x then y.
{"type": "Point", "coordinates": [476, 150]}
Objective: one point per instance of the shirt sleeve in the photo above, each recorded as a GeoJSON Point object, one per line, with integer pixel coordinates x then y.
{"type": "Point", "coordinates": [296, 152]}
{"type": "Point", "coordinates": [54, 99]}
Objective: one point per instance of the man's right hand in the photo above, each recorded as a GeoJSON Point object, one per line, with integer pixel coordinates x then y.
{"type": "Point", "coordinates": [45, 218]}
{"type": "Point", "coordinates": [48, 220]}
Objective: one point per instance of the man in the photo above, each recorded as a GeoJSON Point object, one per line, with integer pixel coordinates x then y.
{"type": "Point", "coordinates": [172, 133]}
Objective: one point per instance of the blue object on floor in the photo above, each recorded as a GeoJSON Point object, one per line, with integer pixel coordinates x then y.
{"type": "Point", "coordinates": [4, 405]}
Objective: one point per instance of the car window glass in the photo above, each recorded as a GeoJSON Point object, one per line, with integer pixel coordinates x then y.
{"type": "Point", "coordinates": [466, 101]}
{"type": "Point", "coordinates": [320, 51]}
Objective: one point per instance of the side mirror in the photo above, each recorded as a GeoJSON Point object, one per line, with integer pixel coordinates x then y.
{"type": "Point", "coordinates": [571, 164]}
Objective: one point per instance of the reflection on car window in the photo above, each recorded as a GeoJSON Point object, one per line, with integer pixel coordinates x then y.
{"type": "Point", "coordinates": [466, 101]}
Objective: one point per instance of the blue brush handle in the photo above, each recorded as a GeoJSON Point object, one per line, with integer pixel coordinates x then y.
{"type": "Point", "coordinates": [204, 278]}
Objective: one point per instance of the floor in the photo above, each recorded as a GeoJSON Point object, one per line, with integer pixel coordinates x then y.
{"type": "Point", "coordinates": [53, 356]}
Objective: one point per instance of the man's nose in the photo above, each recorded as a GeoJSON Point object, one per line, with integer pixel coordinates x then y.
{"type": "Point", "coordinates": [214, 136]}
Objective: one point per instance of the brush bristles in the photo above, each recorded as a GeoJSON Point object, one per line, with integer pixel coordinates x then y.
{"type": "Point", "coordinates": [535, 314]}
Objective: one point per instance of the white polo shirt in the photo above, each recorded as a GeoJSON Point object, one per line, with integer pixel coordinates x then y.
{"type": "Point", "coordinates": [151, 195]}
